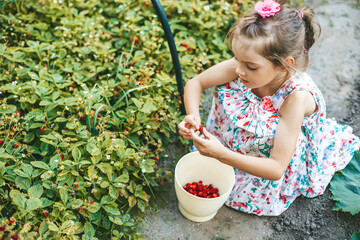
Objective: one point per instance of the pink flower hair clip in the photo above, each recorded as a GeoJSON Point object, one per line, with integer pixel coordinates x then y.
{"type": "Point", "coordinates": [267, 8]}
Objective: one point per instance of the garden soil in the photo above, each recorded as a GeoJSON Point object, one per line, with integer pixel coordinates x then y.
{"type": "Point", "coordinates": [335, 67]}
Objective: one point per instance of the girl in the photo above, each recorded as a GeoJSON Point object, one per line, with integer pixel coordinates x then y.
{"type": "Point", "coordinates": [268, 116]}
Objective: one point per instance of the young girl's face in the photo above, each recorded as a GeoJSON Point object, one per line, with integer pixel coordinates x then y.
{"type": "Point", "coordinates": [254, 70]}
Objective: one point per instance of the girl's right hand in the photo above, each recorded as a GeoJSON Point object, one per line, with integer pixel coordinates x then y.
{"type": "Point", "coordinates": [189, 122]}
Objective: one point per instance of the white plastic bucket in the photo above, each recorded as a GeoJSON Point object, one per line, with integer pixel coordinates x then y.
{"type": "Point", "coordinates": [194, 167]}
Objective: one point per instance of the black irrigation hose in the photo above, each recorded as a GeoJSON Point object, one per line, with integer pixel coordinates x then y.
{"type": "Point", "coordinates": [173, 51]}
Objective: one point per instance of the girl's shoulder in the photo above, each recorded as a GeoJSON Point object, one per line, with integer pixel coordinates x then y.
{"type": "Point", "coordinates": [300, 81]}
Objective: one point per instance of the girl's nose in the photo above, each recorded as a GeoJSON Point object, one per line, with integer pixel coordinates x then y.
{"type": "Point", "coordinates": [239, 71]}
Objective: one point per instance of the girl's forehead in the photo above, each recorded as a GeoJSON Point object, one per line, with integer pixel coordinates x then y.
{"type": "Point", "coordinates": [246, 47]}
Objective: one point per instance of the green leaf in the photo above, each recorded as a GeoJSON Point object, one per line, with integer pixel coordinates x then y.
{"type": "Point", "coordinates": [132, 201]}
{"type": "Point", "coordinates": [116, 220]}
{"type": "Point", "coordinates": [36, 191]}
{"type": "Point", "coordinates": [33, 203]}
{"type": "Point", "coordinates": [355, 236]}
{"type": "Point", "coordinates": [46, 202]}
{"type": "Point", "coordinates": [33, 75]}
{"type": "Point", "coordinates": [112, 208]}
{"type": "Point", "coordinates": [52, 226]}
{"type": "Point", "coordinates": [141, 194]}
{"type": "Point", "coordinates": [141, 205]}
{"type": "Point", "coordinates": [345, 187]}
{"type": "Point", "coordinates": [148, 108]}
{"type": "Point", "coordinates": [77, 203]}
{"type": "Point", "coordinates": [40, 164]}
{"type": "Point", "coordinates": [76, 154]}
{"type": "Point", "coordinates": [21, 173]}
{"type": "Point", "coordinates": [64, 195]}
{"type": "Point", "coordinates": [106, 200]}
{"type": "Point", "coordinates": [93, 149]}
{"type": "Point", "coordinates": [94, 208]}
{"type": "Point", "coordinates": [23, 183]}
{"type": "Point", "coordinates": [18, 198]}
{"type": "Point", "coordinates": [43, 228]}
{"type": "Point", "coordinates": [89, 230]}
{"type": "Point", "coordinates": [54, 161]}
{"type": "Point", "coordinates": [124, 177]}
{"type": "Point", "coordinates": [3, 154]}
{"type": "Point", "coordinates": [2, 168]}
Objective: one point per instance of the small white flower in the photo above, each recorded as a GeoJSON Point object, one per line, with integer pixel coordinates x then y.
{"type": "Point", "coordinates": [56, 161]}
{"type": "Point", "coordinates": [108, 74]}
{"type": "Point", "coordinates": [148, 126]}
{"type": "Point", "coordinates": [207, 8]}
{"type": "Point", "coordinates": [23, 155]}
{"type": "Point", "coordinates": [108, 157]}
{"type": "Point", "coordinates": [158, 85]}
{"type": "Point", "coordinates": [144, 170]}
{"type": "Point", "coordinates": [66, 107]}
{"type": "Point", "coordinates": [91, 36]}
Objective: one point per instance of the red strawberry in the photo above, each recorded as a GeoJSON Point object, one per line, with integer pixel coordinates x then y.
{"type": "Point", "coordinates": [62, 156]}
{"type": "Point", "coordinates": [2, 228]}
{"type": "Point", "coordinates": [1, 141]}
{"type": "Point", "coordinates": [15, 236]}
{"type": "Point", "coordinates": [201, 128]}
{"type": "Point", "coordinates": [91, 202]}
{"type": "Point", "coordinates": [41, 129]}
{"type": "Point", "coordinates": [46, 214]}
{"type": "Point", "coordinates": [76, 184]}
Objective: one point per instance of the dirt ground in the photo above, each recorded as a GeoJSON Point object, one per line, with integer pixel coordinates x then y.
{"type": "Point", "coordinates": [335, 66]}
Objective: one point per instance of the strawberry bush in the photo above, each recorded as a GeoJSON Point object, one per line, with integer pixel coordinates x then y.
{"type": "Point", "coordinates": [88, 106]}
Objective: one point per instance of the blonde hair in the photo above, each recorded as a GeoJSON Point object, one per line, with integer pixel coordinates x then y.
{"type": "Point", "coordinates": [290, 32]}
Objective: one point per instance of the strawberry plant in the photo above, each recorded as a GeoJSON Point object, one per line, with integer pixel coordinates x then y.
{"type": "Point", "coordinates": [88, 106]}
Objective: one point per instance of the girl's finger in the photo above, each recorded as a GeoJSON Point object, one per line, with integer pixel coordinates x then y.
{"type": "Point", "coordinates": [196, 137]}
{"type": "Point", "coordinates": [207, 135]}
{"type": "Point", "coordinates": [191, 120]}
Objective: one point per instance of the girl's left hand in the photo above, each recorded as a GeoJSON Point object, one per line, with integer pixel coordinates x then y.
{"type": "Point", "coordinates": [209, 146]}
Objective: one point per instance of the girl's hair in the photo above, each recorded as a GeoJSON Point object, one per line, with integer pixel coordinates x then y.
{"type": "Point", "coordinates": [290, 32]}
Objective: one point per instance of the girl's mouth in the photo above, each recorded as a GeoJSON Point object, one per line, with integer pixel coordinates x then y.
{"type": "Point", "coordinates": [243, 80]}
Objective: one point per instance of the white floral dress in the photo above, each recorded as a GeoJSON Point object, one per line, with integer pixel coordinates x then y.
{"type": "Point", "coordinates": [247, 124]}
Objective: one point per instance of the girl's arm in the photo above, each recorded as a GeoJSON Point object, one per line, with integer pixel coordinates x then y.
{"type": "Point", "coordinates": [216, 75]}
{"type": "Point", "coordinates": [295, 108]}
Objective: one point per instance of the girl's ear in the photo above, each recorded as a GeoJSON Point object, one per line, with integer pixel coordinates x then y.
{"type": "Point", "coordinates": [290, 62]}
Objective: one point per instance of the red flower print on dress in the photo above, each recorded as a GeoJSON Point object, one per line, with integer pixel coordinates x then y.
{"type": "Point", "coordinates": [239, 204]}
{"type": "Point", "coordinates": [267, 105]}
{"type": "Point", "coordinates": [257, 211]}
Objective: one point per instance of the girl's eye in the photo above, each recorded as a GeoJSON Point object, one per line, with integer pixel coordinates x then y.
{"type": "Point", "coordinates": [251, 69]}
